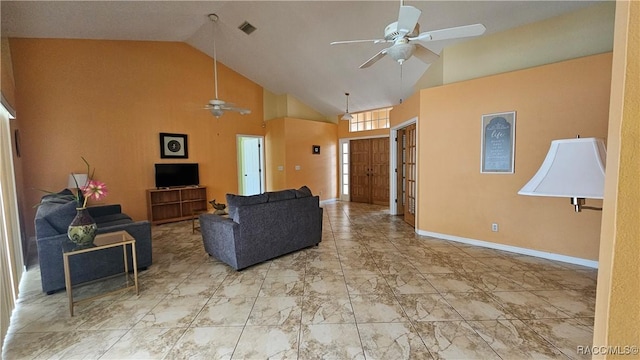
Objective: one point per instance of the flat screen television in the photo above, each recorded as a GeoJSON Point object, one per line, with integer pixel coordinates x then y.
{"type": "Point", "coordinates": [175, 175]}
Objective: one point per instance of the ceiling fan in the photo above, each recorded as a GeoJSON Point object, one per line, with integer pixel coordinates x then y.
{"type": "Point", "coordinates": [406, 37]}
{"type": "Point", "coordinates": [217, 106]}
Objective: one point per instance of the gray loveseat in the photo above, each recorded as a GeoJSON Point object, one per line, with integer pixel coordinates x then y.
{"type": "Point", "coordinates": [54, 215]}
{"type": "Point", "coordinates": [262, 227]}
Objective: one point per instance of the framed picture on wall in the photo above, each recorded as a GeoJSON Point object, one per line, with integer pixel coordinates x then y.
{"type": "Point", "coordinates": [173, 146]}
{"type": "Point", "coordinates": [498, 143]}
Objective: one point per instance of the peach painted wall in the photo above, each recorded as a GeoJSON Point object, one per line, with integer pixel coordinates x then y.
{"type": "Point", "coordinates": [406, 111]}
{"type": "Point", "coordinates": [553, 101]}
{"type": "Point", "coordinates": [617, 314]}
{"type": "Point", "coordinates": [289, 144]}
{"type": "Point", "coordinates": [275, 156]}
{"type": "Point", "coordinates": [109, 100]}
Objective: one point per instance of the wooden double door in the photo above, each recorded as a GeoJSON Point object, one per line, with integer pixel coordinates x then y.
{"type": "Point", "coordinates": [369, 169]}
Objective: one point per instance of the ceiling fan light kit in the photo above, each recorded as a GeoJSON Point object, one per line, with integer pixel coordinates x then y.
{"type": "Point", "coordinates": [406, 38]}
{"type": "Point", "coordinates": [217, 106]}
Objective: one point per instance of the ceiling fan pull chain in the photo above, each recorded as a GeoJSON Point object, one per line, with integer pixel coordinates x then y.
{"type": "Point", "coordinates": [400, 83]}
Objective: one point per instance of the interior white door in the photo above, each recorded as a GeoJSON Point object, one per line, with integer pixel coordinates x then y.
{"type": "Point", "coordinates": [250, 165]}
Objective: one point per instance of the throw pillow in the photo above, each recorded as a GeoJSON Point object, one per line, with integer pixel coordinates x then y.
{"type": "Point", "coordinates": [61, 216]}
{"type": "Point", "coordinates": [303, 192]}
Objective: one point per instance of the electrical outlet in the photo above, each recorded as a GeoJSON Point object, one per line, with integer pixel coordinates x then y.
{"type": "Point", "coordinates": [494, 227]}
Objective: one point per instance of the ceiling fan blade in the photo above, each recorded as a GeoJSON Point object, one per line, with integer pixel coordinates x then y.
{"type": "Point", "coordinates": [407, 19]}
{"type": "Point", "coordinates": [242, 111]}
{"type": "Point", "coordinates": [375, 58]}
{"type": "Point", "coordinates": [451, 33]}
{"type": "Point", "coordinates": [375, 41]}
{"type": "Point", "coordinates": [425, 54]}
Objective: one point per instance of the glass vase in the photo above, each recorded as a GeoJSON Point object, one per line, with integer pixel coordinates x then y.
{"type": "Point", "coordinates": [82, 230]}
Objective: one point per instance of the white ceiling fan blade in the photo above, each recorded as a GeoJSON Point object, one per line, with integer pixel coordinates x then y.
{"type": "Point", "coordinates": [424, 54]}
{"type": "Point", "coordinates": [242, 111]}
{"type": "Point", "coordinates": [451, 33]}
{"type": "Point", "coordinates": [375, 41]}
{"type": "Point", "coordinates": [375, 58]}
{"type": "Point", "coordinates": [407, 19]}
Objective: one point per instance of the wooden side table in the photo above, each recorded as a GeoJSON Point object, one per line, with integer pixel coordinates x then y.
{"type": "Point", "coordinates": [102, 241]}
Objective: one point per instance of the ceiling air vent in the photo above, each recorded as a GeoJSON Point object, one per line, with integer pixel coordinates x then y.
{"type": "Point", "coordinates": [247, 28]}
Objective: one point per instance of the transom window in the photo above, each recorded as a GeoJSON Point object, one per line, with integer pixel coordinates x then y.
{"type": "Point", "coordinates": [370, 120]}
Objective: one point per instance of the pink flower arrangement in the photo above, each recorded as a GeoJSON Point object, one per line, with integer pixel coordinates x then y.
{"type": "Point", "coordinates": [91, 189]}
{"type": "Point", "coordinates": [97, 190]}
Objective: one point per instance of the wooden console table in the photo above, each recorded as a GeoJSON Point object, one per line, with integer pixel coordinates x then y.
{"type": "Point", "coordinates": [175, 204]}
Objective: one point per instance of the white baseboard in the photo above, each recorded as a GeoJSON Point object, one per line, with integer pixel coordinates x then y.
{"type": "Point", "coordinates": [328, 201]}
{"type": "Point", "coordinates": [513, 249]}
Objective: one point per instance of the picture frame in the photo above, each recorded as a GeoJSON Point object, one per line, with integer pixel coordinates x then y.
{"type": "Point", "coordinates": [315, 149]}
{"type": "Point", "coordinates": [173, 146]}
{"type": "Point", "coordinates": [498, 143]}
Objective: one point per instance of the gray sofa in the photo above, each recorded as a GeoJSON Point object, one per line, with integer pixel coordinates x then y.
{"type": "Point", "coordinates": [54, 215]}
{"type": "Point", "coordinates": [262, 227]}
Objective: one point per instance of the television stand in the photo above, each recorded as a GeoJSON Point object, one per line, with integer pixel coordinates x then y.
{"type": "Point", "coordinates": [175, 204]}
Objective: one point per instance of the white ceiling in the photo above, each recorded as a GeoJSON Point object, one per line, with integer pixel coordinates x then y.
{"type": "Point", "coordinates": [289, 53]}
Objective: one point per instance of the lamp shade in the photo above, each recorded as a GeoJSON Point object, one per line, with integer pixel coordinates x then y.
{"type": "Point", "coordinates": [80, 180]}
{"type": "Point", "coordinates": [347, 116]}
{"type": "Point", "coordinates": [573, 168]}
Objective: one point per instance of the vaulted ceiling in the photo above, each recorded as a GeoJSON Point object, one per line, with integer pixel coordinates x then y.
{"type": "Point", "coordinates": [289, 53]}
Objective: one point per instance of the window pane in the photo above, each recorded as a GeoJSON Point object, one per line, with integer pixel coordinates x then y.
{"type": "Point", "coordinates": [345, 189]}
{"type": "Point", "coordinates": [370, 120]}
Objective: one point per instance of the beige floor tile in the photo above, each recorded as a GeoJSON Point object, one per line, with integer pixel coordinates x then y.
{"type": "Point", "coordinates": [206, 343]}
{"type": "Point", "coordinates": [276, 310]}
{"type": "Point", "coordinates": [370, 267]}
{"type": "Point", "coordinates": [144, 344]}
{"type": "Point", "coordinates": [477, 306]}
{"type": "Point", "coordinates": [513, 339]}
{"type": "Point", "coordinates": [224, 311]}
{"type": "Point", "coordinates": [427, 307]}
{"type": "Point", "coordinates": [454, 340]}
{"type": "Point", "coordinates": [377, 308]}
{"type": "Point", "coordinates": [330, 341]}
{"type": "Point", "coordinates": [564, 334]}
{"type": "Point", "coordinates": [392, 341]}
{"type": "Point", "coordinates": [525, 305]}
{"type": "Point", "coordinates": [268, 342]}
{"type": "Point", "coordinates": [326, 309]}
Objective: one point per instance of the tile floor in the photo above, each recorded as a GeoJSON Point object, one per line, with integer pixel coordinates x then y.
{"type": "Point", "coordinates": [373, 289]}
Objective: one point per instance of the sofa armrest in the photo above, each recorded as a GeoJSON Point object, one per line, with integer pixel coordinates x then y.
{"type": "Point", "coordinates": [103, 210]}
{"type": "Point", "coordinates": [219, 235]}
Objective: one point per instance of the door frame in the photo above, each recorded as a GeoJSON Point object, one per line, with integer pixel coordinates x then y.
{"type": "Point", "coordinates": [393, 165]}
{"type": "Point", "coordinates": [261, 160]}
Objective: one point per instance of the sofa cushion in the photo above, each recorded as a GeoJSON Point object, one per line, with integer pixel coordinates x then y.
{"type": "Point", "coordinates": [59, 215]}
{"type": "Point", "coordinates": [233, 201]}
{"type": "Point", "coordinates": [281, 195]}
{"type": "Point", "coordinates": [303, 192]}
